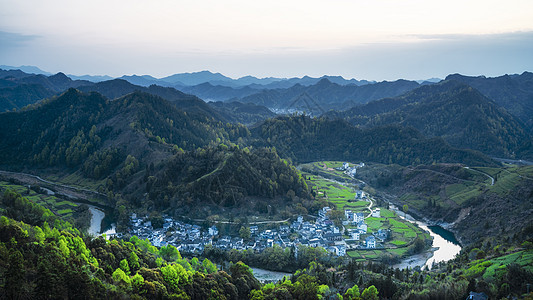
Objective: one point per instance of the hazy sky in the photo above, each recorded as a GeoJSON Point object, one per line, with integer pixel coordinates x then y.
{"type": "Point", "coordinates": [372, 39]}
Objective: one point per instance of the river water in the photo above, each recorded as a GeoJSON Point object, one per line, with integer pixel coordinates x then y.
{"type": "Point", "coordinates": [444, 247]}
{"type": "Point", "coordinates": [98, 216]}
{"type": "Point", "coordinates": [266, 276]}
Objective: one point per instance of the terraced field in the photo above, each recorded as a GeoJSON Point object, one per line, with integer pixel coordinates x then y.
{"type": "Point", "coordinates": [58, 206]}
{"type": "Point", "coordinates": [323, 178]}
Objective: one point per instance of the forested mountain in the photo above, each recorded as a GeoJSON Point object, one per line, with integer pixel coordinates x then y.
{"type": "Point", "coordinates": [325, 95]}
{"type": "Point", "coordinates": [306, 139]}
{"type": "Point", "coordinates": [513, 92]}
{"type": "Point", "coordinates": [12, 74]}
{"type": "Point", "coordinates": [210, 92]}
{"type": "Point", "coordinates": [56, 83]}
{"type": "Point", "coordinates": [116, 88]}
{"type": "Point", "coordinates": [118, 140]}
{"type": "Point", "coordinates": [451, 110]}
{"type": "Point", "coordinates": [244, 113]}
{"type": "Point", "coordinates": [19, 89]}
{"type": "Point", "coordinates": [76, 127]}
{"type": "Point", "coordinates": [202, 180]}
{"type": "Point", "coordinates": [18, 96]}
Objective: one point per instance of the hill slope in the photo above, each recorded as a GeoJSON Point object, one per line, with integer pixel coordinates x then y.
{"type": "Point", "coordinates": [325, 95]}
{"type": "Point", "coordinates": [451, 110]}
{"type": "Point", "coordinates": [306, 139]}
{"type": "Point", "coordinates": [142, 143]}
{"type": "Point", "coordinates": [513, 92]}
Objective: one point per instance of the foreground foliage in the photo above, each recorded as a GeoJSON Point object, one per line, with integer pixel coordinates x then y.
{"type": "Point", "coordinates": [51, 259]}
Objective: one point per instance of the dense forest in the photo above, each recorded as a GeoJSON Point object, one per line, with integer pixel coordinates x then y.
{"type": "Point", "coordinates": [306, 139]}
{"type": "Point", "coordinates": [454, 111]}
{"type": "Point", "coordinates": [247, 180]}
{"type": "Point", "coordinates": [512, 92]}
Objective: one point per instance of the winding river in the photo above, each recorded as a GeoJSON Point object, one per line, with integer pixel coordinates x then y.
{"type": "Point", "coordinates": [98, 216]}
{"type": "Point", "coordinates": [444, 247]}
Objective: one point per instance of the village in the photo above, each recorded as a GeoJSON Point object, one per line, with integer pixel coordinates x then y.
{"type": "Point", "coordinates": [319, 232]}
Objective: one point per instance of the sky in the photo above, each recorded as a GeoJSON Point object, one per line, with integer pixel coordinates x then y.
{"type": "Point", "coordinates": [372, 39]}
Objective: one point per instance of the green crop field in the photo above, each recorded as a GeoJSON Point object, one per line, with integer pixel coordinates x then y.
{"type": "Point", "coordinates": [398, 243]}
{"type": "Point", "coordinates": [461, 192]}
{"type": "Point", "coordinates": [58, 206]}
{"type": "Point", "coordinates": [76, 179]}
{"type": "Point", "coordinates": [491, 171]}
{"type": "Point", "coordinates": [341, 196]}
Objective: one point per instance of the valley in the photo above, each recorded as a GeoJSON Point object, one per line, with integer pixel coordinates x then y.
{"type": "Point", "coordinates": [372, 195]}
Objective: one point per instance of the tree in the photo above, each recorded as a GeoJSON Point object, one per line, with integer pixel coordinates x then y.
{"type": "Point", "coordinates": [405, 209]}
{"type": "Point", "coordinates": [15, 275]}
{"type": "Point", "coordinates": [208, 266]}
{"type": "Point", "coordinates": [352, 293]}
{"type": "Point", "coordinates": [133, 261]}
{"type": "Point", "coordinates": [336, 216]}
{"type": "Point", "coordinates": [169, 253]}
{"type": "Point", "coordinates": [244, 233]}
{"type": "Point", "coordinates": [137, 283]}
{"type": "Point", "coordinates": [120, 277]}
{"type": "Point", "coordinates": [125, 266]}
{"type": "Point", "coordinates": [306, 287]}
{"type": "Point", "coordinates": [370, 293]}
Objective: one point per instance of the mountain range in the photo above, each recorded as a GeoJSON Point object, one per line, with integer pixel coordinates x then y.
{"type": "Point", "coordinates": [493, 118]}
{"type": "Point", "coordinates": [452, 110]}
{"type": "Point", "coordinates": [156, 150]}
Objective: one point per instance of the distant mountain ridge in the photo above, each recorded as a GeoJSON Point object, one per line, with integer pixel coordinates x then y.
{"type": "Point", "coordinates": [452, 110]}
{"type": "Point", "coordinates": [326, 95]}
{"type": "Point", "coordinates": [18, 89]}
{"type": "Point", "coordinates": [26, 69]}
{"type": "Point", "coordinates": [513, 92]}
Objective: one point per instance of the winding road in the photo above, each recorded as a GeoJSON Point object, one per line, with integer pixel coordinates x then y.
{"type": "Point", "coordinates": [491, 178]}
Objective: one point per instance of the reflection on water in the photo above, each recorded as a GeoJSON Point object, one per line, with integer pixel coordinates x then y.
{"type": "Point", "coordinates": [445, 245]}
{"type": "Point", "coordinates": [98, 216]}
{"type": "Point", "coordinates": [96, 220]}
{"type": "Point", "coordinates": [446, 242]}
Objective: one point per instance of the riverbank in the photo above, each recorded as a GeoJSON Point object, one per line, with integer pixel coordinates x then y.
{"type": "Point", "coordinates": [444, 246]}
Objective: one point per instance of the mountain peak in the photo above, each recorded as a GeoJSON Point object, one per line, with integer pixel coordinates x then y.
{"type": "Point", "coordinates": [59, 76]}
{"type": "Point", "coordinates": [324, 81]}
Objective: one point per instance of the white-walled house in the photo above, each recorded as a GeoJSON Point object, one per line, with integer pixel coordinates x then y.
{"type": "Point", "coordinates": [370, 242]}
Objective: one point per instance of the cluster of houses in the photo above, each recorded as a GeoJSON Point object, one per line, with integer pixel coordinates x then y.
{"type": "Point", "coordinates": [320, 233]}
{"type": "Point", "coordinates": [350, 170]}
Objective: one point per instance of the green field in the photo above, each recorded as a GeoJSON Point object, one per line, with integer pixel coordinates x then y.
{"type": "Point", "coordinates": [58, 206]}
{"type": "Point", "coordinates": [489, 269]}
{"type": "Point", "coordinates": [341, 196]}
{"type": "Point", "coordinates": [461, 192]}
{"type": "Point", "coordinates": [76, 179]}
{"type": "Point", "coordinates": [507, 178]}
